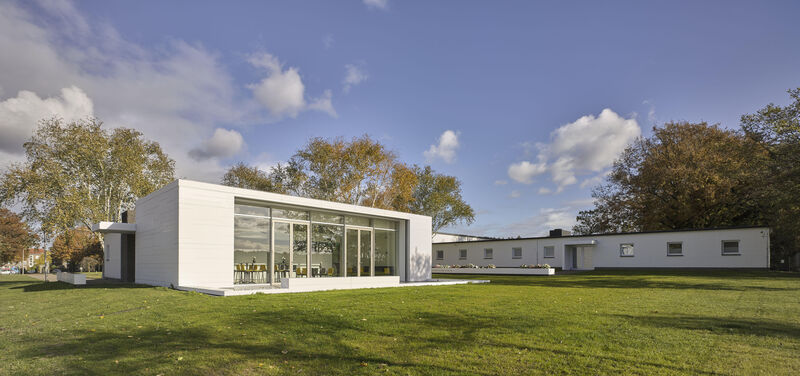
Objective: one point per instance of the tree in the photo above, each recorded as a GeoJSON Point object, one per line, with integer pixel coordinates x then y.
{"type": "Point", "coordinates": [359, 172]}
{"type": "Point", "coordinates": [776, 130]}
{"type": "Point", "coordinates": [15, 236]}
{"type": "Point", "coordinates": [439, 196]}
{"type": "Point", "coordinates": [684, 176]}
{"type": "Point", "coordinates": [80, 173]}
{"type": "Point", "coordinates": [73, 246]}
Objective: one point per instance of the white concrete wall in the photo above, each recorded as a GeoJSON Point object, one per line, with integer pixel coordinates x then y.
{"type": "Point", "coordinates": [157, 237]}
{"type": "Point", "coordinates": [112, 254]}
{"type": "Point", "coordinates": [701, 249]}
{"type": "Point", "coordinates": [419, 248]}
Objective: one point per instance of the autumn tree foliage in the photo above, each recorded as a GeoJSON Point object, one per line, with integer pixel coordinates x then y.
{"type": "Point", "coordinates": [15, 236]}
{"type": "Point", "coordinates": [73, 246]}
{"type": "Point", "coordinates": [80, 173]}
{"type": "Point", "coordinates": [363, 172]}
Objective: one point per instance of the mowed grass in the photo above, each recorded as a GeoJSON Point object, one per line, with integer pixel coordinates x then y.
{"type": "Point", "coordinates": [620, 322]}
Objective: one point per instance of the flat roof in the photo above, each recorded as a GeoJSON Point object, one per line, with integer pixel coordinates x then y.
{"type": "Point", "coordinates": [605, 234]}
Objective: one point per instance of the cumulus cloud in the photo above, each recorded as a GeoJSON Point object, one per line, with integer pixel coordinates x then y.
{"type": "Point", "coordinates": [224, 143]}
{"type": "Point", "coordinates": [377, 4]}
{"type": "Point", "coordinates": [19, 116]}
{"type": "Point", "coordinates": [587, 145]}
{"type": "Point", "coordinates": [525, 171]}
{"type": "Point", "coordinates": [282, 91]}
{"type": "Point", "coordinates": [545, 191]}
{"type": "Point", "coordinates": [445, 149]}
{"type": "Point", "coordinates": [174, 95]}
{"type": "Point", "coordinates": [354, 75]}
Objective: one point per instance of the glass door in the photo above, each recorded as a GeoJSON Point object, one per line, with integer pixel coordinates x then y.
{"type": "Point", "coordinates": [358, 246]}
{"type": "Point", "coordinates": [282, 258]}
{"type": "Point", "coordinates": [300, 250]}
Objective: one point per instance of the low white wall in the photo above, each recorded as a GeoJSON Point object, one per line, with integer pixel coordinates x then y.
{"type": "Point", "coordinates": [496, 271]}
{"type": "Point", "coordinates": [338, 283]}
{"type": "Point", "coordinates": [75, 279]}
{"type": "Point", "coordinates": [701, 249]}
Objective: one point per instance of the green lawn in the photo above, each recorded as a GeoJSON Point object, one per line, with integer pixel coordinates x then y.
{"type": "Point", "coordinates": [598, 323]}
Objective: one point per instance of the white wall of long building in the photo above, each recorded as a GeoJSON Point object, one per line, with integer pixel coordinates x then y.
{"type": "Point", "coordinates": [701, 249]}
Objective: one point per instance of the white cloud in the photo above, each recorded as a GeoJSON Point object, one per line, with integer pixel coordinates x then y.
{"type": "Point", "coordinates": [223, 143]}
{"type": "Point", "coordinates": [19, 116]}
{"type": "Point", "coordinates": [354, 75]}
{"type": "Point", "coordinates": [514, 194]}
{"type": "Point", "coordinates": [500, 182]}
{"type": "Point", "coordinates": [540, 224]}
{"type": "Point", "coordinates": [587, 145]}
{"type": "Point", "coordinates": [446, 149]}
{"type": "Point", "coordinates": [174, 95]}
{"type": "Point", "coordinates": [525, 171]}
{"type": "Point", "coordinates": [282, 92]}
{"type": "Point", "coordinates": [545, 191]}
{"type": "Point", "coordinates": [377, 4]}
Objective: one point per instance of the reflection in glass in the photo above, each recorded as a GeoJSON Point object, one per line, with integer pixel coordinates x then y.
{"type": "Point", "coordinates": [383, 223]}
{"type": "Point", "coordinates": [250, 249]}
{"type": "Point", "coordinates": [300, 252]}
{"type": "Point", "coordinates": [290, 214]}
{"type": "Point", "coordinates": [282, 251]}
{"type": "Point", "coordinates": [356, 221]}
{"type": "Point", "coordinates": [385, 252]}
{"type": "Point", "coordinates": [326, 217]}
{"type": "Point", "coordinates": [326, 254]}
{"type": "Point", "coordinates": [366, 254]}
{"type": "Point", "coordinates": [352, 253]}
{"type": "Point", "coordinates": [251, 210]}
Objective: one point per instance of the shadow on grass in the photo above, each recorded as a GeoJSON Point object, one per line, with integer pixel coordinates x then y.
{"type": "Point", "coordinates": [735, 280]}
{"type": "Point", "coordinates": [35, 285]}
{"type": "Point", "coordinates": [309, 341]}
{"type": "Point", "coordinates": [749, 327]}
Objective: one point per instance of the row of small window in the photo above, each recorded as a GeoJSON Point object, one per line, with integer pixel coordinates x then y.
{"type": "Point", "coordinates": [729, 247]}
{"type": "Point", "coordinates": [488, 253]}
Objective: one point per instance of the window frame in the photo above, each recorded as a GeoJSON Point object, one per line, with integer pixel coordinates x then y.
{"type": "Point", "coordinates": [633, 249]}
{"type": "Point", "coordinates": [544, 251]}
{"type": "Point", "coordinates": [722, 247]}
{"type": "Point", "coordinates": [460, 257]}
{"type": "Point", "coordinates": [439, 254]}
{"type": "Point", "coordinates": [513, 251]}
{"type": "Point", "coordinates": [674, 254]}
{"type": "Point", "coordinates": [488, 252]}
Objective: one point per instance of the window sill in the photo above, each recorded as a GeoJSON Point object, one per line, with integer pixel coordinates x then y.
{"type": "Point", "coordinates": [548, 256]}
{"type": "Point", "coordinates": [516, 258]}
{"type": "Point", "coordinates": [625, 255]}
{"type": "Point", "coordinates": [668, 255]}
{"type": "Point", "coordinates": [731, 254]}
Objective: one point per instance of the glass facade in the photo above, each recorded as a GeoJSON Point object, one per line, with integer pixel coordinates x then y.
{"type": "Point", "coordinates": [274, 243]}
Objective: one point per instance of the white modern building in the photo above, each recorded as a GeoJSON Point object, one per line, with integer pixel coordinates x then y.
{"type": "Point", "coordinates": [746, 247]}
{"type": "Point", "coordinates": [224, 240]}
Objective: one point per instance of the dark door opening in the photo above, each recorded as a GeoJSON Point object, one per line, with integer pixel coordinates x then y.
{"type": "Point", "coordinates": [128, 258]}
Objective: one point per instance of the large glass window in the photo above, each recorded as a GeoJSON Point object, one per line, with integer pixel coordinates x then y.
{"type": "Point", "coordinates": [366, 252]}
{"type": "Point", "coordinates": [352, 252]}
{"type": "Point", "coordinates": [251, 249]}
{"type": "Point", "coordinates": [326, 250]}
{"type": "Point", "coordinates": [385, 252]}
{"type": "Point", "coordinates": [290, 214]}
{"type": "Point", "coordinates": [300, 250]}
{"type": "Point", "coordinates": [356, 221]}
{"type": "Point", "coordinates": [283, 250]}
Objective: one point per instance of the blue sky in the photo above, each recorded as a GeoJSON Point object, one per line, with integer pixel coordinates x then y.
{"type": "Point", "coordinates": [538, 98]}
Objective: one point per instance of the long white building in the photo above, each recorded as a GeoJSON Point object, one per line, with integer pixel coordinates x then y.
{"type": "Point", "coordinates": [219, 239]}
{"type": "Point", "coordinates": [712, 248]}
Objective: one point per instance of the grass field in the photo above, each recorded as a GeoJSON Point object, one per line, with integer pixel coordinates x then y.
{"type": "Point", "coordinates": [596, 323]}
